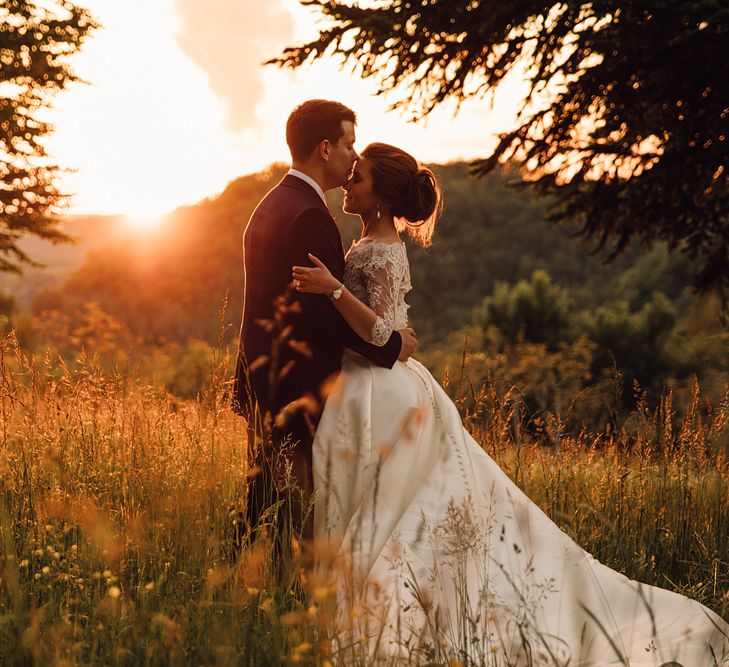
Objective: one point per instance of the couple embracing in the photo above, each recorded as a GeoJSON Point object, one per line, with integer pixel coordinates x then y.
{"type": "Point", "coordinates": [431, 546]}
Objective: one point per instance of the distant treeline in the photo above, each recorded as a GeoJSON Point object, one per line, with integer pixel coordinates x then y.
{"type": "Point", "coordinates": [497, 269]}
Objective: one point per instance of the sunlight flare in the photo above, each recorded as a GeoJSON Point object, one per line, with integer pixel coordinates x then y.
{"type": "Point", "coordinates": [144, 221]}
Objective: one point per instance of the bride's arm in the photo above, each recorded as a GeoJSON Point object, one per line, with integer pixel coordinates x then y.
{"type": "Point", "coordinates": [319, 280]}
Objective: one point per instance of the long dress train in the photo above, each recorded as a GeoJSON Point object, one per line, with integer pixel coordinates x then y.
{"type": "Point", "coordinates": [435, 551]}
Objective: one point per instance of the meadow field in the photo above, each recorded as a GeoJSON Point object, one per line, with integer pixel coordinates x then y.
{"type": "Point", "coordinates": [120, 504]}
{"type": "Point", "coordinates": [574, 304]}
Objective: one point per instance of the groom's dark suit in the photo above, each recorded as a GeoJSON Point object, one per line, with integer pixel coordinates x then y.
{"type": "Point", "coordinates": [291, 343]}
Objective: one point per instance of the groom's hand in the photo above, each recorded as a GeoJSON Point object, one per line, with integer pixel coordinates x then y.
{"type": "Point", "coordinates": [409, 343]}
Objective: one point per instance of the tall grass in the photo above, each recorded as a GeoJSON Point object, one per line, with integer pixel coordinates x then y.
{"type": "Point", "coordinates": [119, 509]}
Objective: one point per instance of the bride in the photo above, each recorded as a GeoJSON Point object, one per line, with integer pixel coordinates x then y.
{"type": "Point", "coordinates": [436, 552]}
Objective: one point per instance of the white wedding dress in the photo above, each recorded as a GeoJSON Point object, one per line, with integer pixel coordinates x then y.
{"type": "Point", "coordinates": [436, 553]}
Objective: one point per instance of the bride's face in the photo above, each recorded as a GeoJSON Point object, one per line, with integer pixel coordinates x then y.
{"type": "Point", "coordinates": [359, 198]}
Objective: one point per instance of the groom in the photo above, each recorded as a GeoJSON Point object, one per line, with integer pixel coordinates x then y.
{"type": "Point", "coordinates": [291, 344]}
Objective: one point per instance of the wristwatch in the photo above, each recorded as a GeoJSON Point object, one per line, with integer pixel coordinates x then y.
{"type": "Point", "coordinates": [337, 292]}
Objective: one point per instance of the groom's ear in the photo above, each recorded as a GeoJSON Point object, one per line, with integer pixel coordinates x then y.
{"type": "Point", "coordinates": [324, 148]}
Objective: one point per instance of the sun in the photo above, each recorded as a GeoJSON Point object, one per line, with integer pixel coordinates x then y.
{"type": "Point", "coordinates": [145, 221]}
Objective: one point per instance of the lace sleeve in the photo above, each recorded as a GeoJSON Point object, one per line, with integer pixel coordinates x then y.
{"type": "Point", "coordinates": [383, 284]}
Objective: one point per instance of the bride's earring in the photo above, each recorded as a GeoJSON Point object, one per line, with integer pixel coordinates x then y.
{"type": "Point", "coordinates": [378, 212]}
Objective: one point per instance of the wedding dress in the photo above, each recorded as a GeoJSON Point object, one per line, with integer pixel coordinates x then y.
{"type": "Point", "coordinates": [436, 552]}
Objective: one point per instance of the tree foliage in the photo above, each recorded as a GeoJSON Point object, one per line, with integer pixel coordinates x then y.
{"type": "Point", "coordinates": [156, 294]}
{"type": "Point", "coordinates": [636, 341]}
{"type": "Point", "coordinates": [36, 40]}
{"type": "Point", "coordinates": [625, 120]}
{"type": "Point", "coordinates": [536, 310]}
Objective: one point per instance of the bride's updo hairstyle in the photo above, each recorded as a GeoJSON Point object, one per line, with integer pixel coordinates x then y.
{"type": "Point", "coordinates": [410, 191]}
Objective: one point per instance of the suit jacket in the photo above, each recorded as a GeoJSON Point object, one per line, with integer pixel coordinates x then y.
{"type": "Point", "coordinates": [291, 343]}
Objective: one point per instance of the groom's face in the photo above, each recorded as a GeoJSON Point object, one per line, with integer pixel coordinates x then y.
{"type": "Point", "coordinates": [342, 157]}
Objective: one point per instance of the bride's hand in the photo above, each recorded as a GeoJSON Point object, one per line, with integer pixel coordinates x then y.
{"type": "Point", "coordinates": [316, 280]}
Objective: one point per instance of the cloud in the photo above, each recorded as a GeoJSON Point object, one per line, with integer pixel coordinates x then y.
{"type": "Point", "coordinates": [230, 39]}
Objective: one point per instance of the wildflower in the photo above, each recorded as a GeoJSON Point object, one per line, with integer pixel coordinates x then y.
{"type": "Point", "coordinates": [266, 605]}
{"type": "Point", "coordinates": [300, 651]}
{"type": "Point", "coordinates": [312, 611]}
{"type": "Point", "coordinates": [114, 592]}
{"type": "Point", "coordinates": [37, 576]}
{"type": "Point", "coordinates": [46, 570]}
{"type": "Point", "coordinates": [321, 592]}
{"type": "Point", "coordinates": [291, 618]}
{"type": "Point", "coordinates": [106, 574]}
{"type": "Point", "coordinates": [38, 552]}
{"type": "Point", "coordinates": [149, 586]}
{"type": "Point", "coordinates": [24, 563]}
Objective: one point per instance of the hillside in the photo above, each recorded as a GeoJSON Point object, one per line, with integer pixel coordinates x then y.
{"type": "Point", "coordinates": [496, 267]}
{"type": "Point", "coordinates": [58, 261]}
{"type": "Point", "coordinates": [170, 281]}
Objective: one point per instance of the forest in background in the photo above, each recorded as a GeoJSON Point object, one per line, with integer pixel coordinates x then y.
{"type": "Point", "coordinates": [501, 297]}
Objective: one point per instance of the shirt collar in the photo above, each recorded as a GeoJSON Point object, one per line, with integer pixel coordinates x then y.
{"type": "Point", "coordinates": [310, 181]}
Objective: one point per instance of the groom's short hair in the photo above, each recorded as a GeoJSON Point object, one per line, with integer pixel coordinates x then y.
{"type": "Point", "coordinates": [312, 122]}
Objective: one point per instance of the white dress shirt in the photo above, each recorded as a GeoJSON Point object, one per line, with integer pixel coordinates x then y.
{"type": "Point", "coordinates": [310, 181]}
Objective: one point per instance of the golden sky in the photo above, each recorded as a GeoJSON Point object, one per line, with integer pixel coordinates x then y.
{"type": "Point", "coordinates": [179, 105]}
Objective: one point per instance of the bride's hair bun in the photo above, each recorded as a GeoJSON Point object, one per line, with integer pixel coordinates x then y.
{"type": "Point", "coordinates": [412, 192]}
{"type": "Point", "coordinates": [421, 199]}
